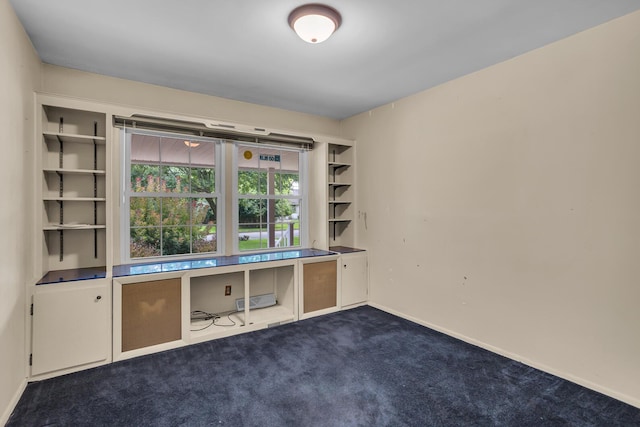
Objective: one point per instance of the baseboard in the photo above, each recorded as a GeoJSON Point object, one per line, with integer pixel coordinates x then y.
{"type": "Point", "coordinates": [518, 358]}
{"type": "Point", "coordinates": [13, 402]}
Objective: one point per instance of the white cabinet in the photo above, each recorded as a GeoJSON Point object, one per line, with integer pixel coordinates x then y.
{"type": "Point", "coordinates": [71, 326]}
{"type": "Point", "coordinates": [354, 278]}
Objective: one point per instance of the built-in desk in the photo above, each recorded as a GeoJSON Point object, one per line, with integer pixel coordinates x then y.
{"type": "Point", "coordinates": [168, 304]}
{"type": "Point", "coordinates": [89, 317]}
{"type": "Point", "coordinates": [219, 261]}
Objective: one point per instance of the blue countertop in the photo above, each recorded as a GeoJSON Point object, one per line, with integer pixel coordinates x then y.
{"type": "Point", "coordinates": [219, 261]}
{"type": "Point", "coordinates": [60, 276]}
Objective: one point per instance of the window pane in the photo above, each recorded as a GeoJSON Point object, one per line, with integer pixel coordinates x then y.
{"type": "Point", "coordinates": [284, 209]}
{"type": "Point", "coordinates": [253, 236]}
{"type": "Point", "coordinates": [290, 161]}
{"type": "Point", "coordinates": [273, 235]}
{"type": "Point", "coordinates": [175, 179]}
{"type": "Point", "coordinates": [203, 180]}
{"type": "Point", "coordinates": [256, 232]}
{"type": "Point", "coordinates": [252, 222]}
{"type": "Point", "coordinates": [144, 211]}
{"type": "Point", "coordinates": [286, 234]}
{"type": "Point", "coordinates": [145, 178]}
{"type": "Point", "coordinates": [252, 182]}
{"type": "Point", "coordinates": [176, 211]}
{"type": "Point", "coordinates": [204, 238]}
{"type": "Point", "coordinates": [203, 231]}
{"type": "Point", "coordinates": [174, 151]}
{"type": "Point", "coordinates": [203, 154]}
{"type": "Point", "coordinates": [145, 148]}
{"type": "Point", "coordinates": [286, 183]}
{"type": "Point", "coordinates": [252, 211]}
{"type": "Point", "coordinates": [176, 240]}
{"type": "Point", "coordinates": [203, 211]}
{"type": "Point", "coordinates": [144, 242]}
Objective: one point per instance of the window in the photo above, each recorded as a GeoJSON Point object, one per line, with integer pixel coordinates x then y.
{"type": "Point", "coordinates": [172, 197]}
{"type": "Point", "coordinates": [268, 197]}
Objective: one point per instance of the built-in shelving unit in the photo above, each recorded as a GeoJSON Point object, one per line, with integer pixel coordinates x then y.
{"type": "Point", "coordinates": [340, 200]}
{"type": "Point", "coordinates": [74, 182]}
{"type": "Point", "coordinates": [72, 195]}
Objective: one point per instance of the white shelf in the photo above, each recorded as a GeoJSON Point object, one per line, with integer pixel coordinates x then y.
{"type": "Point", "coordinates": [78, 139]}
{"type": "Point", "coordinates": [339, 184]}
{"type": "Point", "coordinates": [340, 202]}
{"type": "Point", "coordinates": [339, 220]}
{"type": "Point", "coordinates": [74, 171]}
{"type": "Point", "coordinates": [58, 227]}
{"type": "Point", "coordinates": [268, 315]}
{"type": "Point", "coordinates": [338, 165]}
{"type": "Point", "coordinates": [74, 199]}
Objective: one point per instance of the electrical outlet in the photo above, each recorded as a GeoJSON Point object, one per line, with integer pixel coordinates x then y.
{"type": "Point", "coordinates": [227, 290]}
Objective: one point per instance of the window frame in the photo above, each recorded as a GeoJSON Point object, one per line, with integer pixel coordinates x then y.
{"type": "Point", "coordinates": [127, 193]}
{"type": "Point", "coordinates": [303, 218]}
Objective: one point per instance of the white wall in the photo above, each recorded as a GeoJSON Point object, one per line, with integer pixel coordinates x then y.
{"type": "Point", "coordinates": [504, 206]}
{"type": "Point", "coordinates": [67, 82]}
{"type": "Point", "coordinates": [19, 77]}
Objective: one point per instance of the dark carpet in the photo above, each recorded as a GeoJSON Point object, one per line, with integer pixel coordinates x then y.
{"type": "Point", "coordinates": [361, 367]}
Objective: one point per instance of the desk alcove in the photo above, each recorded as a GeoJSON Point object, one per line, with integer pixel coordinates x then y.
{"type": "Point", "coordinates": [139, 309]}
{"type": "Point", "coordinates": [209, 286]}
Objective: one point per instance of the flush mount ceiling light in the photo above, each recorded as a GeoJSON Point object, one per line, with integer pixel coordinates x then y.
{"type": "Point", "coordinates": [191, 144]}
{"type": "Point", "coordinates": [314, 23]}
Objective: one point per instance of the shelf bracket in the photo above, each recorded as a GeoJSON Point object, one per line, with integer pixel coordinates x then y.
{"type": "Point", "coordinates": [61, 232]}
{"type": "Point", "coordinates": [95, 146]}
{"type": "Point", "coordinates": [61, 186]}
{"type": "Point", "coordinates": [95, 190]}
{"type": "Point", "coordinates": [95, 230]}
{"type": "Point", "coordinates": [61, 203]}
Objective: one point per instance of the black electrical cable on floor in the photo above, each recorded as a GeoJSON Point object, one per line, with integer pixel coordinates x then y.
{"type": "Point", "coordinates": [199, 315]}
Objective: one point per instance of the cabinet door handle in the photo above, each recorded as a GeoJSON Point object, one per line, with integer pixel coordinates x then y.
{"type": "Point", "coordinates": [345, 266]}
{"type": "Point", "coordinates": [99, 297]}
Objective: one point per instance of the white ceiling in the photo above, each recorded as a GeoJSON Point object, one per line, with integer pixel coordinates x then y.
{"type": "Point", "coordinates": [245, 50]}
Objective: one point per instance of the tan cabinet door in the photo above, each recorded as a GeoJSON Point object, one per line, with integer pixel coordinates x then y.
{"type": "Point", "coordinates": [320, 285]}
{"type": "Point", "coordinates": [151, 313]}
